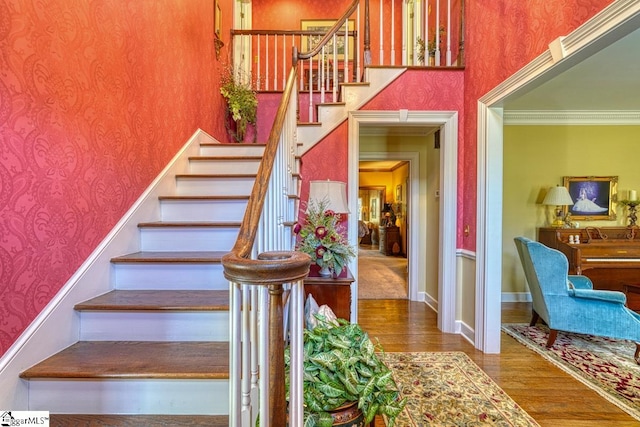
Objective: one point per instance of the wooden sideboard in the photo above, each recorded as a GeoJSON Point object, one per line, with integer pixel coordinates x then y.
{"type": "Point", "coordinates": [390, 236]}
{"type": "Point", "coordinates": [609, 256]}
{"type": "Point", "coordinates": [334, 292]}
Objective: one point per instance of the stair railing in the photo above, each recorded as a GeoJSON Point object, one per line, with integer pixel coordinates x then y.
{"type": "Point", "coordinates": [266, 290]}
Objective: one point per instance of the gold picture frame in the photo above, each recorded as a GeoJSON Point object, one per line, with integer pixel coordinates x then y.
{"type": "Point", "coordinates": [321, 26]}
{"type": "Point", "coordinates": [594, 197]}
{"type": "Point", "coordinates": [217, 19]}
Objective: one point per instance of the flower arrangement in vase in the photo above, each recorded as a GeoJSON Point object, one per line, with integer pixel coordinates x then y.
{"type": "Point", "coordinates": [322, 238]}
{"type": "Point", "coordinates": [242, 102]}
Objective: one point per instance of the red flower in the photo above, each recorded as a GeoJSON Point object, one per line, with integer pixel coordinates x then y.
{"type": "Point", "coordinates": [297, 228]}
{"type": "Point", "coordinates": [320, 250]}
{"type": "Point", "coordinates": [321, 232]}
{"type": "Point", "coordinates": [329, 212]}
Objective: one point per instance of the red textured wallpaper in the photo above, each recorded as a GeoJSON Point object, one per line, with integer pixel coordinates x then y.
{"type": "Point", "coordinates": [501, 37]}
{"type": "Point", "coordinates": [95, 98]}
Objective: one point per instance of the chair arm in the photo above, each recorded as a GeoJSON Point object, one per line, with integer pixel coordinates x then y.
{"type": "Point", "coordinates": [580, 282]}
{"type": "Point", "coordinates": [608, 296]}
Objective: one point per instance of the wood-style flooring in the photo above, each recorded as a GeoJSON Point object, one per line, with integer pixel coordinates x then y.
{"type": "Point", "coordinates": [548, 394]}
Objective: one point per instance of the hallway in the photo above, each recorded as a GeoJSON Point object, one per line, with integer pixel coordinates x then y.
{"type": "Point", "coordinates": [380, 276]}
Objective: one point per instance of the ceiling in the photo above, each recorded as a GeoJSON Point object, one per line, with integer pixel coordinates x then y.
{"type": "Point", "coordinates": [380, 165]}
{"type": "Point", "coordinates": [607, 80]}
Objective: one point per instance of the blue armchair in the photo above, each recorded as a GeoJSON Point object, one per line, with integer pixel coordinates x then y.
{"type": "Point", "coordinates": [569, 303]}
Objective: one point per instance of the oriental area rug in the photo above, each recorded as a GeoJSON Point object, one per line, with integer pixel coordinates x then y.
{"type": "Point", "coordinates": [603, 364]}
{"type": "Point", "coordinates": [449, 389]}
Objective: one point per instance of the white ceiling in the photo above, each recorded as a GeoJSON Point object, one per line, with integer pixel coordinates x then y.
{"type": "Point", "coordinates": [608, 80]}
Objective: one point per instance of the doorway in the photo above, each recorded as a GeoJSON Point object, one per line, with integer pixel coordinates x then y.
{"type": "Point", "coordinates": [447, 121]}
{"type": "Point", "coordinates": [382, 254]}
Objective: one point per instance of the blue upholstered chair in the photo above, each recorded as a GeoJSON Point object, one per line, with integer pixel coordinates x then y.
{"type": "Point", "coordinates": [569, 303]}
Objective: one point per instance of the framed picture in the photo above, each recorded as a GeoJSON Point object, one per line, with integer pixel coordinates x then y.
{"type": "Point", "coordinates": [217, 19]}
{"type": "Point", "coordinates": [374, 209]}
{"type": "Point", "coordinates": [593, 197]}
{"type": "Point", "coordinates": [398, 193]}
{"type": "Point", "coordinates": [322, 26]}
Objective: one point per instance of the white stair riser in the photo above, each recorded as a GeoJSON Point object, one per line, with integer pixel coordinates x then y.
{"type": "Point", "coordinates": [151, 396]}
{"type": "Point", "coordinates": [232, 150]}
{"type": "Point", "coordinates": [188, 239]}
{"type": "Point", "coordinates": [225, 186]}
{"type": "Point", "coordinates": [202, 210]}
{"type": "Point", "coordinates": [145, 276]}
{"type": "Point", "coordinates": [154, 326]}
{"type": "Point", "coordinates": [223, 166]}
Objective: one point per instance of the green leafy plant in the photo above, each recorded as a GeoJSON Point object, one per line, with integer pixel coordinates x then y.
{"type": "Point", "coordinates": [340, 366]}
{"type": "Point", "coordinates": [322, 237]}
{"type": "Point", "coordinates": [242, 101]}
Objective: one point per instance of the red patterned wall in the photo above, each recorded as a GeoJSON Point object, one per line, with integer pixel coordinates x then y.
{"type": "Point", "coordinates": [501, 37]}
{"type": "Point", "coordinates": [96, 96]}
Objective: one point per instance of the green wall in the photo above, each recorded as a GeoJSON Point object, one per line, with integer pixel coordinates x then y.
{"type": "Point", "coordinates": [538, 157]}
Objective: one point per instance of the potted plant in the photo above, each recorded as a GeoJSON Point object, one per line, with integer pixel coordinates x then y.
{"type": "Point", "coordinates": [242, 102]}
{"type": "Point", "coordinates": [322, 239]}
{"type": "Point", "coordinates": [341, 368]}
{"type": "Point", "coordinates": [431, 47]}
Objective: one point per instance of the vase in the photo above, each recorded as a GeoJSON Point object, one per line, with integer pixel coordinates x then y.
{"type": "Point", "coordinates": [325, 271]}
{"type": "Point", "coordinates": [348, 415]}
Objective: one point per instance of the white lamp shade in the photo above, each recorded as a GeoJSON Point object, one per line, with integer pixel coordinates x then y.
{"type": "Point", "coordinates": [558, 196]}
{"type": "Point", "coordinates": [334, 193]}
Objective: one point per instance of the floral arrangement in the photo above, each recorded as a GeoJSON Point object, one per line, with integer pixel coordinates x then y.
{"type": "Point", "coordinates": [242, 101]}
{"type": "Point", "coordinates": [322, 238]}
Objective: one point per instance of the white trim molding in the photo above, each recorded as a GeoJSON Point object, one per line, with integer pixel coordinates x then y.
{"type": "Point", "coordinates": [535, 117]}
{"type": "Point", "coordinates": [448, 123]}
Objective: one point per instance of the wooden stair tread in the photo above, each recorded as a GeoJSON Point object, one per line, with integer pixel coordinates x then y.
{"type": "Point", "coordinates": [309, 124]}
{"type": "Point", "coordinates": [184, 300]}
{"type": "Point", "coordinates": [136, 360]}
{"type": "Point", "coordinates": [171, 256]}
{"type": "Point", "coordinates": [192, 224]}
{"type": "Point", "coordinates": [234, 144]}
{"type": "Point", "coordinates": [328, 104]}
{"type": "Point", "coordinates": [239, 197]}
{"type": "Point", "coordinates": [224, 158]}
{"type": "Point", "coordinates": [96, 420]}
{"type": "Point", "coordinates": [214, 175]}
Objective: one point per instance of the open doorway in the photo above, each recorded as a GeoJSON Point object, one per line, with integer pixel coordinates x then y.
{"type": "Point", "coordinates": [382, 226]}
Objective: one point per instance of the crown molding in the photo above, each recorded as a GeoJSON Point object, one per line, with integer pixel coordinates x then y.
{"type": "Point", "coordinates": [534, 117]}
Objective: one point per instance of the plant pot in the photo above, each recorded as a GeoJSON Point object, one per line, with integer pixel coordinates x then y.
{"type": "Point", "coordinates": [324, 271]}
{"type": "Point", "coordinates": [348, 415]}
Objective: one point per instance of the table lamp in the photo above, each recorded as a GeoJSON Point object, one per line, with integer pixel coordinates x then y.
{"type": "Point", "coordinates": [333, 192]}
{"type": "Point", "coordinates": [558, 197]}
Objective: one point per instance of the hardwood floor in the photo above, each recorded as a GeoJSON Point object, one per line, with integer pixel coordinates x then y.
{"type": "Point", "coordinates": [548, 394]}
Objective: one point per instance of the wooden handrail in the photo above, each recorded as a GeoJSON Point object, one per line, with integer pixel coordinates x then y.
{"type": "Point", "coordinates": [249, 227]}
{"type": "Point", "coordinates": [329, 35]}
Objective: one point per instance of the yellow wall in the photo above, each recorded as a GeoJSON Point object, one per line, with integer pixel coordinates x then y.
{"type": "Point", "coordinates": [538, 157]}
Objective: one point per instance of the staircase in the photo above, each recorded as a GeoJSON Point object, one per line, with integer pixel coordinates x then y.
{"type": "Point", "coordinates": [154, 350]}
{"type": "Point", "coordinates": [156, 347]}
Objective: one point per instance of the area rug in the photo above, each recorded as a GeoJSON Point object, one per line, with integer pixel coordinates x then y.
{"type": "Point", "coordinates": [449, 389]}
{"type": "Point", "coordinates": [602, 364]}
{"type": "Point", "coordinates": [380, 276]}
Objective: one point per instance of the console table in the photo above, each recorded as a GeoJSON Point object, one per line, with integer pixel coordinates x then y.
{"type": "Point", "coordinates": [389, 236]}
{"type": "Point", "coordinates": [334, 292]}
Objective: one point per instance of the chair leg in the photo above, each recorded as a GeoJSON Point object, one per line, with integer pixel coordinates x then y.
{"type": "Point", "coordinates": [534, 318]}
{"type": "Point", "coordinates": [553, 334]}
{"type": "Point", "coordinates": [636, 356]}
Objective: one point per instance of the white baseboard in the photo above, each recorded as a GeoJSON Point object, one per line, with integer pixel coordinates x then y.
{"type": "Point", "coordinates": [57, 326]}
{"type": "Point", "coordinates": [466, 331]}
{"type": "Point", "coordinates": [516, 297]}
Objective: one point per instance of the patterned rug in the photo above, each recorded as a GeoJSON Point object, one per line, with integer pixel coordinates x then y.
{"type": "Point", "coordinates": [449, 389]}
{"type": "Point", "coordinates": [603, 364]}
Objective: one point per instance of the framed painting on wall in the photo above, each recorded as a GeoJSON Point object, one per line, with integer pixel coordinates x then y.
{"type": "Point", "coordinates": [593, 197]}
{"type": "Point", "coordinates": [217, 19]}
{"type": "Point", "coordinates": [321, 26]}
